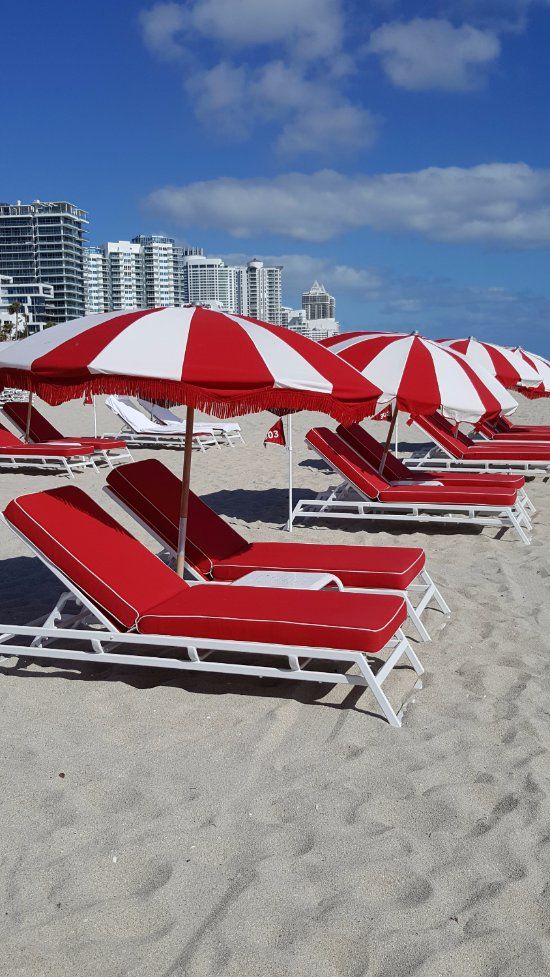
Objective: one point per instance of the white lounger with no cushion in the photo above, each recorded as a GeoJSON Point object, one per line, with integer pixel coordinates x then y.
{"type": "Point", "coordinates": [139, 430]}
{"type": "Point", "coordinates": [229, 431]}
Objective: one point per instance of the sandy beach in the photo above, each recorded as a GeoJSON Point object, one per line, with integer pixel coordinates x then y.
{"type": "Point", "coordinates": [155, 824]}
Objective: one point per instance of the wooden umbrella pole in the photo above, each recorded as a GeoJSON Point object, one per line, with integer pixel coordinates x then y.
{"type": "Point", "coordinates": [184, 502]}
{"type": "Point", "coordinates": [388, 440]}
{"type": "Point", "coordinates": [29, 414]}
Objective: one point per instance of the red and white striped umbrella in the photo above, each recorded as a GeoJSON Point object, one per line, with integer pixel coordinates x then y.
{"type": "Point", "coordinates": [542, 368]}
{"type": "Point", "coordinates": [223, 364]}
{"type": "Point", "coordinates": [420, 376]}
{"type": "Point", "coordinates": [505, 364]}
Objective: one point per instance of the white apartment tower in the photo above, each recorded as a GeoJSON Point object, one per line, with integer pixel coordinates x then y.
{"type": "Point", "coordinates": [158, 269]}
{"type": "Point", "coordinates": [318, 304]}
{"type": "Point", "coordinates": [96, 292]}
{"type": "Point", "coordinates": [125, 275]}
{"type": "Point", "coordinates": [205, 281]}
{"type": "Point", "coordinates": [264, 291]}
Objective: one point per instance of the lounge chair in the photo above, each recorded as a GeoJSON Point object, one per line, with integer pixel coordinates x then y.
{"type": "Point", "coordinates": [66, 457]}
{"type": "Point", "coordinates": [228, 431]}
{"type": "Point", "coordinates": [395, 470]}
{"type": "Point", "coordinates": [453, 449]}
{"type": "Point", "coordinates": [216, 551]}
{"type": "Point", "coordinates": [503, 425]}
{"type": "Point", "coordinates": [130, 609]}
{"type": "Point", "coordinates": [111, 451]}
{"type": "Point", "coordinates": [491, 434]}
{"type": "Point", "coordinates": [138, 430]}
{"type": "Point", "coordinates": [365, 494]}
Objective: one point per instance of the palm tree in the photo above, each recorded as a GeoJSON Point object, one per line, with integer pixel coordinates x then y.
{"type": "Point", "coordinates": [15, 309]}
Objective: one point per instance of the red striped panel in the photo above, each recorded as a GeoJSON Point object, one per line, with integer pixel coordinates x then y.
{"type": "Point", "coordinates": [419, 390]}
{"type": "Point", "coordinates": [69, 360]}
{"type": "Point", "coordinates": [218, 349]}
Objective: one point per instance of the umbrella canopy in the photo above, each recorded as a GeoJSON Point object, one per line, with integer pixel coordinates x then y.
{"type": "Point", "coordinates": [506, 365]}
{"type": "Point", "coordinates": [223, 364]}
{"type": "Point", "coordinates": [542, 368]}
{"type": "Point", "coordinates": [420, 376]}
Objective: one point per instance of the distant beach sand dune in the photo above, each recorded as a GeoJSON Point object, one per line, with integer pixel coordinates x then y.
{"type": "Point", "coordinates": [155, 824]}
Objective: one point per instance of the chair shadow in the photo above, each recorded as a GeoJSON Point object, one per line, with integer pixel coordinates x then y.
{"type": "Point", "coordinates": [255, 505]}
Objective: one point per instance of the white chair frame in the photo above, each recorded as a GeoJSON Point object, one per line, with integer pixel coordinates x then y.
{"type": "Point", "coordinates": [346, 501]}
{"type": "Point", "coordinates": [438, 456]}
{"type": "Point", "coordinates": [229, 433]}
{"type": "Point", "coordinates": [60, 463]}
{"type": "Point", "coordinates": [80, 627]}
{"type": "Point", "coordinates": [159, 438]}
{"type": "Point", "coordinates": [424, 589]}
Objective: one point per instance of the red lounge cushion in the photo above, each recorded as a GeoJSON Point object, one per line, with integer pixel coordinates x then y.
{"type": "Point", "coordinates": [396, 470]}
{"type": "Point", "coordinates": [522, 451]}
{"type": "Point", "coordinates": [344, 459]}
{"type": "Point", "coordinates": [318, 619]}
{"type": "Point", "coordinates": [100, 444]}
{"type": "Point", "coordinates": [42, 430]}
{"type": "Point", "coordinates": [447, 495]}
{"type": "Point", "coordinates": [90, 548]}
{"type": "Point", "coordinates": [544, 437]}
{"type": "Point", "coordinates": [356, 566]}
{"type": "Point", "coordinates": [152, 492]}
{"type": "Point", "coordinates": [50, 450]}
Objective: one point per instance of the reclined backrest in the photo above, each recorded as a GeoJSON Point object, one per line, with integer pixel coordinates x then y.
{"type": "Point", "coordinates": [501, 423]}
{"type": "Point", "coordinates": [40, 428]}
{"type": "Point", "coordinates": [453, 430]}
{"type": "Point", "coordinates": [161, 414]}
{"type": "Point", "coordinates": [116, 572]}
{"type": "Point", "coordinates": [125, 409]}
{"type": "Point", "coordinates": [152, 492]}
{"type": "Point", "coordinates": [371, 449]}
{"type": "Point", "coordinates": [439, 433]}
{"type": "Point", "coordinates": [344, 459]}
{"type": "Point", "coordinates": [8, 439]}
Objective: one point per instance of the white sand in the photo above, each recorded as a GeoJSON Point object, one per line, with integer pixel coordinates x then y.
{"type": "Point", "coordinates": [215, 826]}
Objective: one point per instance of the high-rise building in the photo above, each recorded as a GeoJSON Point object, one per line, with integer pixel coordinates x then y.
{"type": "Point", "coordinates": [125, 275]}
{"type": "Point", "coordinates": [95, 280]}
{"type": "Point", "coordinates": [318, 304]}
{"type": "Point", "coordinates": [205, 280]}
{"type": "Point", "coordinates": [44, 242]}
{"type": "Point", "coordinates": [35, 301]}
{"type": "Point", "coordinates": [316, 329]}
{"type": "Point", "coordinates": [253, 289]}
{"type": "Point", "coordinates": [158, 268]}
{"type": "Point", "coordinates": [264, 291]}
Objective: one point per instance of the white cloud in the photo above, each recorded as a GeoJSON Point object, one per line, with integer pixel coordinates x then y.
{"type": "Point", "coordinates": [297, 85]}
{"type": "Point", "coordinates": [313, 26]}
{"type": "Point", "coordinates": [433, 54]}
{"type": "Point", "coordinates": [161, 27]}
{"type": "Point", "coordinates": [501, 204]}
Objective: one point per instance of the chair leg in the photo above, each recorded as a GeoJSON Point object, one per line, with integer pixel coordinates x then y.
{"type": "Point", "coordinates": [518, 527]}
{"type": "Point", "coordinates": [436, 593]}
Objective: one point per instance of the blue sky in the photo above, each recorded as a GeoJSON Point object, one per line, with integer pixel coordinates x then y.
{"type": "Point", "coordinates": [397, 151]}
